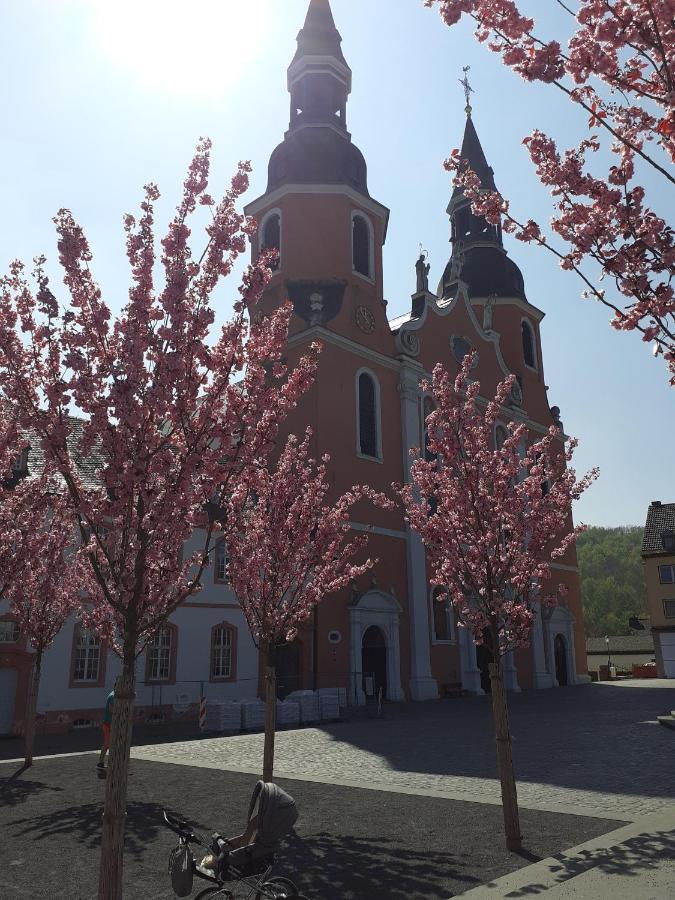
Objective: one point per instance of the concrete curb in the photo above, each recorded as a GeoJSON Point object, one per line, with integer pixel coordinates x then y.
{"type": "Point", "coordinates": [636, 860]}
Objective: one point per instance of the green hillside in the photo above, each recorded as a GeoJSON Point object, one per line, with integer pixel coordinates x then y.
{"type": "Point", "coordinates": [612, 580]}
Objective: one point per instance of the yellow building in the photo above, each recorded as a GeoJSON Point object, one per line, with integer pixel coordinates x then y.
{"type": "Point", "coordinates": [658, 554]}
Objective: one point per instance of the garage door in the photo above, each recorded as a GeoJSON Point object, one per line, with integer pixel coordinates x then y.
{"type": "Point", "coordinates": [7, 698]}
{"type": "Point", "coordinates": [668, 651]}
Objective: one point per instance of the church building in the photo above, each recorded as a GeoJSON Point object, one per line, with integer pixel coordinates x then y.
{"type": "Point", "coordinates": [367, 410]}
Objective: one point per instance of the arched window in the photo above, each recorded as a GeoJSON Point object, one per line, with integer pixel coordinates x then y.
{"type": "Point", "coordinates": [223, 652]}
{"type": "Point", "coordinates": [528, 345]}
{"type": "Point", "coordinates": [440, 612]}
{"type": "Point", "coordinates": [271, 235]}
{"type": "Point", "coordinates": [368, 415]}
{"type": "Point", "coordinates": [361, 245]}
{"type": "Point", "coordinates": [501, 434]}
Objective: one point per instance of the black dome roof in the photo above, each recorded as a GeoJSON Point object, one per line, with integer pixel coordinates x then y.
{"type": "Point", "coordinates": [487, 270]}
{"type": "Point", "coordinates": [317, 155]}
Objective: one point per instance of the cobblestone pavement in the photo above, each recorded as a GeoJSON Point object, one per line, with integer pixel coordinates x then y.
{"type": "Point", "coordinates": [593, 749]}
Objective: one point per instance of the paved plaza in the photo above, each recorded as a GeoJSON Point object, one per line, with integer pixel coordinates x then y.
{"type": "Point", "coordinates": [594, 749]}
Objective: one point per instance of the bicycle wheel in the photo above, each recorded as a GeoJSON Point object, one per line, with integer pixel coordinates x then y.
{"type": "Point", "coordinates": [278, 888]}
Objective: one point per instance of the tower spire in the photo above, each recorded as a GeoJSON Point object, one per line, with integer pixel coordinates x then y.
{"type": "Point", "coordinates": [468, 90]}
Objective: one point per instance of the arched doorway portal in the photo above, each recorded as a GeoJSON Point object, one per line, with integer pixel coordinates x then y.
{"type": "Point", "coordinates": [560, 653]}
{"type": "Point", "coordinates": [374, 659]}
{"type": "Point", "coordinates": [289, 658]}
{"type": "Point", "coordinates": [483, 659]}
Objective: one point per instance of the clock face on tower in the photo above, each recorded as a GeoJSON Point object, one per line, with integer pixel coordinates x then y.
{"type": "Point", "coordinates": [365, 319]}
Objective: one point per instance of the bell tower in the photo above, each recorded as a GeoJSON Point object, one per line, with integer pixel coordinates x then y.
{"type": "Point", "coordinates": [317, 211]}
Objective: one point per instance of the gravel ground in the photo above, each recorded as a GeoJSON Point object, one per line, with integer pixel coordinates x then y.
{"type": "Point", "coordinates": [350, 843]}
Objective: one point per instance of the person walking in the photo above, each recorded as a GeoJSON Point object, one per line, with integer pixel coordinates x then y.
{"type": "Point", "coordinates": [105, 728]}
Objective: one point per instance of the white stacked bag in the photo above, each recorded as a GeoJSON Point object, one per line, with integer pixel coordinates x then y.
{"type": "Point", "coordinates": [329, 704]}
{"type": "Point", "coordinates": [252, 715]}
{"type": "Point", "coordinates": [309, 705]}
{"type": "Point", "coordinates": [223, 715]}
{"type": "Point", "coordinates": [288, 713]}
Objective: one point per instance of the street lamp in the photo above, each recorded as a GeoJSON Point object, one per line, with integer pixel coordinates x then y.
{"type": "Point", "coordinates": [609, 658]}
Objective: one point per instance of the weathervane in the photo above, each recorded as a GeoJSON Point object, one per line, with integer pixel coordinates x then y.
{"type": "Point", "coordinates": [468, 90]}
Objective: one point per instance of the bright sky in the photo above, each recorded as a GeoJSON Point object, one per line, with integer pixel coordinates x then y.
{"type": "Point", "coordinates": [99, 97]}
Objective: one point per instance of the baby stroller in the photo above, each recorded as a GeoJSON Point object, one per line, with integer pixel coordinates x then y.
{"type": "Point", "coordinates": [239, 867]}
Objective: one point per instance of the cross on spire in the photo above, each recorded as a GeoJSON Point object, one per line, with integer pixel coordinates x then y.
{"type": "Point", "coordinates": [468, 90]}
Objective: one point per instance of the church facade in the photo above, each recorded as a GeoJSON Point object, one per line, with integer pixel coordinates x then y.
{"type": "Point", "coordinates": [367, 410]}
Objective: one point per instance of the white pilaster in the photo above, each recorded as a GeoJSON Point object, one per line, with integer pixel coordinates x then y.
{"type": "Point", "coordinates": [510, 673]}
{"type": "Point", "coordinates": [422, 685]}
{"type": "Point", "coordinates": [541, 677]}
{"type": "Point", "coordinates": [468, 663]}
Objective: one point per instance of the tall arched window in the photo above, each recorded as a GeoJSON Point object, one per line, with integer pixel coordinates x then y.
{"type": "Point", "coordinates": [361, 245]}
{"type": "Point", "coordinates": [440, 611]}
{"type": "Point", "coordinates": [528, 345]}
{"type": "Point", "coordinates": [271, 235]}
{"type": "Point", "coordinates": [368, 415]}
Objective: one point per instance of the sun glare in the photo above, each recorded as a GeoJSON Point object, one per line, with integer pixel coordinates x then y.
{"type": "Point", "coordinates": [183, 46]}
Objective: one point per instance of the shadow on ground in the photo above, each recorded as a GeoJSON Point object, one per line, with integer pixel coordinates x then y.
{"type": "Point", "coordinates": [630, 859]}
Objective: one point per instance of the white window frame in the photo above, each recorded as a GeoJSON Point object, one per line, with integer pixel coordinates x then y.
{"type": "Point", "coordinates": [450, 618]}
{"type": "Point", "coordinates": [159, 654]}
{"type": "Point", "coordinates": [88, 641]}
{"type": "Point", "coordinates": [525, 321]}
{"type": "Point", "coordinates": [217, 652]}
{"type": "Point", "coordinates": [371, 245]}
{"type": "Point", "coordinates": [220, 563]}
{"type": "Point", "coordinates": [378, 416]}
{"type": "Point", "coordinates": [261, 232]}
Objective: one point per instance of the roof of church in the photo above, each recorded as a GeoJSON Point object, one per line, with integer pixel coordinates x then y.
{"type": "Point", "coordinates": [318, 155]}
{"type": "Point", "coordinates": [319, 36]}
{"type": "Point", "coordinates": [660, 519]}
{"type": "Point", "coordinates": [472, 152]}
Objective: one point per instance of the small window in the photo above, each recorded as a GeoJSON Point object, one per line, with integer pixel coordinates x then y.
{"type": "Point", "coordinates": [159, 655]}
{"type": "Point", "coordinates": [361, 246]}
{"type": "Point", "coordinates": [439, 599]}
{"type": "Point", "coordinates": [271, 236]}
{"type": "Point", "coordinates": [668, 540]}
{"type": "Point", "coordinates": [222, 649]}
{"type": "Point", "coordinates": [9, 632]}
{"type": "Point", "coordinates": [667, 574]}
{"type": "Point", "coordinates": [368, 423]}
{"type": "Point", "coordinates": [669, 609]}
{"type": "Point", "coordinates": [87, 656]}
{"type": "Point", "coordinates": [221, 564]}
{"type": "Point", "coordinates": [20, 464]}
{"type": "Point", "coordinates": [528, 345]}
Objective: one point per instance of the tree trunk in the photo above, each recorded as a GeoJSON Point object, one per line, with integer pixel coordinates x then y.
{"type": "Point", "coordinates": [114, 810]}
{"type": "Point", "coordinates": [270, 710]}
{"type": "Point", "coordinates": [31, 712]}
{"type": "Point", "coordinates": [505, 757]}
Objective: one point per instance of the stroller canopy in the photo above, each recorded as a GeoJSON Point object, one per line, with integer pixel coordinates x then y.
{"type": "Point", "coordinates": [277, 813]}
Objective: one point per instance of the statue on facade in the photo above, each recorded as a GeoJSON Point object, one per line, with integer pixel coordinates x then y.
{"type": "Point", "coordinates": [487, 312]}
{"type": "Point", "coordinates": [422, 268]}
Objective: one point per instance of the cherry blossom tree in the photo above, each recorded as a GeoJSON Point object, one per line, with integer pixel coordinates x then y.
{"type": "Point", "coordinates": [619, 71]}
{"type": "Point", "coordinates": [492, 519]}
{"type": "Point", "coordinates": [165, 429]}
{"type": "Point", "coordinates": [288, 547]}
{"type": "Point", "coordinates": [40, 576]}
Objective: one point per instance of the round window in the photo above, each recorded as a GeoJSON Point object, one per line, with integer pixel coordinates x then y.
{"type": "Point", "coordinates": [334, 637]}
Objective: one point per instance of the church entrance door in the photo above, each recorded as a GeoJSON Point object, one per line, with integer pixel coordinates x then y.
{"type": "Point", "coordinates": [560, 652]}
{"type": "Point", "coordinates": [374, 659]}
